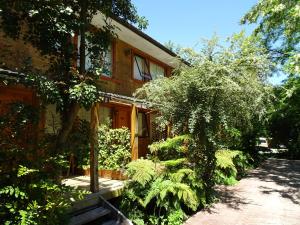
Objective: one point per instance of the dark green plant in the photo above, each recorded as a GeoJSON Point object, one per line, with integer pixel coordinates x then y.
{"type": "Point", "coordinates": [30, 189]}
{"type": "Point", "coordinates": [231, 166]}
{"type": "Point", "coordinates": [114, 147]}
{"type": "Point", "coordinates": [284, 125]}
{"type": "Point", "coordinates": [171, 148]}
{"type": "Point", "coordinates": [78, 143]}
{"type": "Point", "coordinates": [161, 192]}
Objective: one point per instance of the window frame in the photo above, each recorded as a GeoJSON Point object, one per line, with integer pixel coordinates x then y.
{"type": "Point", "coordinates": [113, 52]}
{"type": "Point", "coordinates": [149, 60]}
{"type": "Point", "coordinates": [146, 124]}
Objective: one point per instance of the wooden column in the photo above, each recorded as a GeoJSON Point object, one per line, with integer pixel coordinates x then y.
{"type": "Point", "coordinates": [94, 182]}
{"type": "Point", "coordinates": [134, 133]}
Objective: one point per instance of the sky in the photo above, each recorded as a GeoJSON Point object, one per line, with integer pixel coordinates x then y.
{"type": "Point", "coordinates": [187, 22]}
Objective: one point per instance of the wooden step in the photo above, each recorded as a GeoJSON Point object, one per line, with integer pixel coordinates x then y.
{"type": "Point", "coordinates": [110, 222]}
{"type": "Point", "coordinates": [89, 216]}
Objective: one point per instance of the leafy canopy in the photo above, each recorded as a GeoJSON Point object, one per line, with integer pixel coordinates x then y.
{"type": "Point", "coordinates": [224, 88]}
{"type": "Point", "coordinates": [279, 25]}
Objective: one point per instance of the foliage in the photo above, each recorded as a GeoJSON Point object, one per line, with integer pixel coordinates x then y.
{"type": "Point", "coordinates": [278, 24]}
{"type": "Point", "coordinates": [230, 166]}
{"type": "Point", "coordinates": [27, 198]}
{"type": "Point", "coordinates": [114, 147]}
{"type": "Point", "coordinates": [284, 123]}
{"type": "Point", "coordinates": [78, 142]}
{"type": "Point", "coordinates": [49, 26]}
{"type": "Point", "coordinates": [170, 148]}
{"type": "Point", "coordinates": [159, 193]}
{"type": "Point", "coordinates": [222, 90]}
{"type": "Point", "coordinates": [29, 189]}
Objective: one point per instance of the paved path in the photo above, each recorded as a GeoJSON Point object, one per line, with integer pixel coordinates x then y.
{"type": "Point", "coordinates": [269, 195]}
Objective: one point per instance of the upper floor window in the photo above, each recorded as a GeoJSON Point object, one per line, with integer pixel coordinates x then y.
{"type": "Point", "coordinates": [104, 61]}
{"type": "Point", "coordinates": [107, 62]}
{"type": "Point", "coordinates": [140, 68]}
{"type": "Point", "coordinates": [144, 69]}
{"type": "Point", "coordinates": [156, 70]}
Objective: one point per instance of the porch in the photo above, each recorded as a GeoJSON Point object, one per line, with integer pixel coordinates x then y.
{"type": "Point", "coordinates": [108, 188]}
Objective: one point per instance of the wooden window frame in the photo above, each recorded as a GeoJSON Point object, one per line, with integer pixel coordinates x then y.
{"type": "Point", "coordinates": [149, 59]}
{"type": "Point", "coordinates": [113, 58]}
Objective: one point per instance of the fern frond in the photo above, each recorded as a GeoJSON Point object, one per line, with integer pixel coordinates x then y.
{"type": "Point", "coordinates": [142, 171]}
{"type": "Point", "coordinates": [182, 173]}
{"type": "Point", "coordinates": [161, 189]}
{"type": "Point", "coordinates": [174, 162]}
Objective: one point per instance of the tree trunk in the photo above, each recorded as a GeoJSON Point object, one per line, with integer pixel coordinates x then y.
{"type": "Point", "coordinates": [94, 183]}
{"type": "Point", "coordinates": [67, 123]}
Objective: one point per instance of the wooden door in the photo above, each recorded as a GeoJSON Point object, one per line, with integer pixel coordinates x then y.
{"type": "Point", "coordinates": [122, 118]}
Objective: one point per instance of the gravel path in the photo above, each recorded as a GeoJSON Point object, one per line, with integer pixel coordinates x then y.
{"type": "Point", "coordinates": [269, 195]}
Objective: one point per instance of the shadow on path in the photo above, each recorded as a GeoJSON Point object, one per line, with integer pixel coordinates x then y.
{"type": "Point", "coordinates": [269, 194]}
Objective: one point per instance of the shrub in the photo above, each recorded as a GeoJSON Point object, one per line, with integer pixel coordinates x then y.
{"type": "Point", "coordinates": [78, 143]}
{"type": "Point", "coordinates": [30, 190]}
{"type": "Point", "coordinates": [161, 192]}
{"type": "Point", "coordinates": [27, 198]}
{"type": "Point", "coordinates": [114, 147]}
{"type": "Point", "coordinates": [230, 166]}
{"type": "Point", "coordinates": [171, 148]}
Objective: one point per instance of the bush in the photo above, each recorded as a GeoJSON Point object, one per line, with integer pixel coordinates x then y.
{"type": "Point", "coordinates": [154, 194]}
{"type": "Point", "coordinates": [78, 143]}
{"type": "Point", "coordinates": [29, 199]}
{"type": "Point", "coordinates": [114, 147]}
{"type": "Point", "coordinates": [30, 190]}
{"type": "Point", "coordinates": [171, 148]}
{"type": "Point", "coordinates": [230, 166]}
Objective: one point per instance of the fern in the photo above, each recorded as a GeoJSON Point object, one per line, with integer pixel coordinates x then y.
{"type": "Point", "coordinates": [161, 189]}
{"type": "Point", "coordinates": [174, 163]}
{"type": "Point", "coordinates": [229, 165]}
{"type": "Point", "coordinates": [171, 148]}
{"type": "Point", "coordinates": [142, 171]}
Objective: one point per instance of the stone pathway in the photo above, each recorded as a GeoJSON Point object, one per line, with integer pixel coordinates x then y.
{"type": "Point", "coordinates": [269, 195]}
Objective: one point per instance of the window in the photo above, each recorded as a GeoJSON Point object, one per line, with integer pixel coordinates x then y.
{"type": "Point", "coordinates": [144, 69]}
{"type": "Point", "coordinates": [107, 62]}
{"type": "Point", "coordinates": [143, 130]}
{"type": "Point", "coordinates": [105, 116]}
{"type": "Point", "coordinates": [140, 69]}
{"type": "Point", "coordinates": [105, 59]}
{"type": "Point", "coordinates": [156, 71]}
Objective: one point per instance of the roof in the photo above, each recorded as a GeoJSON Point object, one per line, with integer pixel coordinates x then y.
{"type": "Point", "coordinates": [138, 39]}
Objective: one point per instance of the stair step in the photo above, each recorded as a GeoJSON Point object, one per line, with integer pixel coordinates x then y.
{"type": "Point", "coordinates": [89, 216]}
{"type": "Point", "coordinates": [110, 222]}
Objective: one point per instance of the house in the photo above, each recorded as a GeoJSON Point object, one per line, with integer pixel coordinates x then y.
{"type": "Point", "coordinates": [132, 59]}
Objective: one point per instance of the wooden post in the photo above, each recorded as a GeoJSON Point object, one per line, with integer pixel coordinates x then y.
{"type": "Point", "coordinates": [94, 182]}
{"type": "Point", "coordinates": [168, 130]}
{"type": "Point", "coordinates": [134, 133]}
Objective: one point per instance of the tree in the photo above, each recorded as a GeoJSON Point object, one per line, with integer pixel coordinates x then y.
{"type": "Point", "coordinates": [218, 95]}
{"type": "Point", "coordinates": [50, 26]}
{"type": "Point", "coordinates": [279, 26]}
{"type": "Point", "coordinates": [284, 119]}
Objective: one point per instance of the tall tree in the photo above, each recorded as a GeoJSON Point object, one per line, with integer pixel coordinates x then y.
{"type": "Point", "coordinates": [50, 26]}
{"type": "Point", "coordinates": [279, 26]}
{"type": "Point", "coordinates": [218, 95]}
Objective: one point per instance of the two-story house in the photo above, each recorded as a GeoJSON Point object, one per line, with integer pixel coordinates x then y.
{"type": "Point", "coordinates": [132, 59]}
